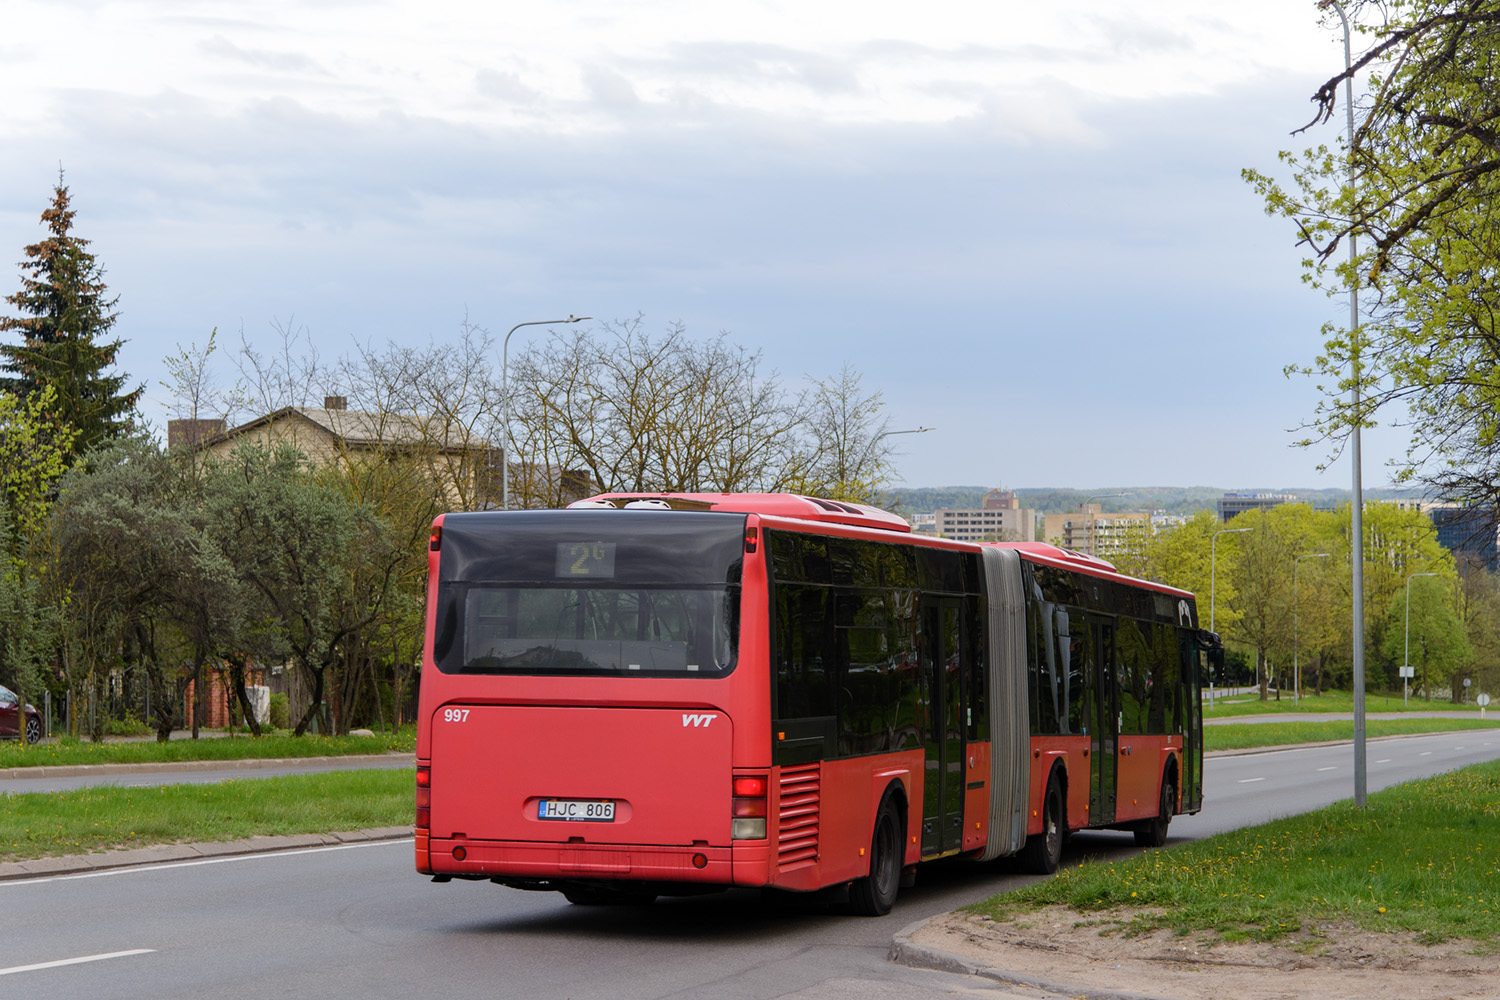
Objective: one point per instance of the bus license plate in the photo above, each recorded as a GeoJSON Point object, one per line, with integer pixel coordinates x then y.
{"type": "Point", "coordinates": [577, 810]}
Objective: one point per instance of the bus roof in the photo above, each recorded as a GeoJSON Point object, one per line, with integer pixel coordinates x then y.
{"type": "Point", "coordinates": [804, 508]}
{"type": "Point", "coordinates": [772, 504]}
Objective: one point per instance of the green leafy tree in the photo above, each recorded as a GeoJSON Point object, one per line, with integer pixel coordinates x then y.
{"type": "Point", "coordinates": [300, 545]}
{"type": "Point", "coordinates": [1477, 602]}
{"type": "Point", "coordinates": [66, 317]}
{"type": "Point", "coordinates": [1426, 164]}
{"type": "Point", "coordinates": [1439, 644]}
{"type": "Point", "coordinates": [33, 445]}
{"type": "Point", "coordinates": [116, 539]}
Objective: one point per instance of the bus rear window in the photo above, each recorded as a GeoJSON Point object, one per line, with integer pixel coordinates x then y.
{"type": "Point", "coordinates": [589, 592]}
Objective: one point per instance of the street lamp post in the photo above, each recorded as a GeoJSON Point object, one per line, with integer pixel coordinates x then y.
{"type": "Point", "coordinates": [505, 400]}
{"type": "Point", "coordinates": [870, 448]}
{"type": "Point", "coordinates": [1357, 529]}
{"type": "Point", "coordinates": [1296, 645]}
{"type": "Point", "coordinates": [1213, 565]}
{"type": "Point", "coordinates": [1406, 655]}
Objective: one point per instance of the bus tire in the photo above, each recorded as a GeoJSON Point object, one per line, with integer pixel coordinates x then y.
{"type": "Point", "coordinates": [1153, 832]}
{"type": "Point", "coordinates": [875, 894]}
{"type": "Point", "coordinates": [1043, 852]}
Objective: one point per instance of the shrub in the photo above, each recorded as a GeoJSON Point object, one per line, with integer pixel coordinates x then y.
{"type": "Point", "coordinates": [281, 710]}
{"type": "Point", "coordinates": [128, 726]}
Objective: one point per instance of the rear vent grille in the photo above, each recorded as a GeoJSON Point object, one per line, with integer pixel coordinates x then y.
{"type": "Point", "coordinates": [797, 817]}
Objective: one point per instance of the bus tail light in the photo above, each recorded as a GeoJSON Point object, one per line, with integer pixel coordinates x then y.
{"type": "Point", "coordinates": [424, 798]}
{"type": "Point", "coordinates": [748, 808]}
{"type": "Point", "coordinates": [435, 542]}
{"type": "Point", "coordinates": [752, 538]}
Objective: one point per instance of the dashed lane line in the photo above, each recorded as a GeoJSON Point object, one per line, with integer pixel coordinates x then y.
{"type": "Point", "coordinates": [75, 961]}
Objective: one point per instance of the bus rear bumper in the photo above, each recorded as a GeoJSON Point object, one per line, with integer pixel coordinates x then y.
{"type": "Point", "coordinates": [626, 862]}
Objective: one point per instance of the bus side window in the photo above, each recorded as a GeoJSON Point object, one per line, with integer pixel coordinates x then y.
{"type": "Point", "coordinates": [803, 686]}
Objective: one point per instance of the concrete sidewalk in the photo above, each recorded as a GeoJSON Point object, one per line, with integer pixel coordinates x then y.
{"type": "Point", "coordinates": [74, 864]}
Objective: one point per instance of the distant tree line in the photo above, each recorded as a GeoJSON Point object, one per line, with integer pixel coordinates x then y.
{"type": "Point", "coordinates": [1279, 592]}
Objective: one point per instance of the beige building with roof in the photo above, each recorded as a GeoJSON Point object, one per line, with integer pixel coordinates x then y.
{"type": "Point", "coordinates": [463, 462]}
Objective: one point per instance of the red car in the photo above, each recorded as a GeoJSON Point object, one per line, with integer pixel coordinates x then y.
{"type": "Point", "coordinates": [10, 714]}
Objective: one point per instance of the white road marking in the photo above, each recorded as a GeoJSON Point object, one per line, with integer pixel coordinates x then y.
{"type": "Point", "coordinates": [1383, 760]}
{"type": "Point", "coordinates": [1328, 769]}
{"type": "Point", "coordinates": [75, 961]}
{"type": "Point", "coordinates": [1425, 753]}
{"type": "Point", "coordinates": [1246, 781]}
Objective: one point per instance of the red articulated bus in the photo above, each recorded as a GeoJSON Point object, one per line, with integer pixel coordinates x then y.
{"type": "Point", "coordinates": [671, 694]}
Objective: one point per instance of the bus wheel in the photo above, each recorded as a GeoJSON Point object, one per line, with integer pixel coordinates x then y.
{"type": "Point", "coordinates": [1043, 852]}
{"type": "Point", "coordinates": [875, 894]}
{"type": "Point", "coordinates": [1153, 832]}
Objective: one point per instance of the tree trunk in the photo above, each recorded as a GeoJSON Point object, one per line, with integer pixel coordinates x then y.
{"type": "Point", "coordinates": [198, 699]}
{"type": "Point", "coordinates": [237, 678]}
{"type": "Point", "coordinates": [97, 713]}
{"type": "Point", "coordinates": [1262, 678]}
{"type": "Point", "coordinates": [314, 705]}
{"type": "Point", "coordinates": [375, 691]}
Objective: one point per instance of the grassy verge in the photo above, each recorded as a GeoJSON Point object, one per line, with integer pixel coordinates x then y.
{"type": "Point", "coordinates": [1419, 858]}
{"type": "Point", "coordinates": [68, 751]}
{"type": "Point", "coordinates": [1328, 701]}
{"type": "Point", "coordinates": [1274, 734]}
{"type": "Point", "coordinates": [46, 824]}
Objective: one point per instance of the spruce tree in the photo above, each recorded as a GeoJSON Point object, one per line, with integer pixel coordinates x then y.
{"type": "Point", "coordinates": [66, 316]}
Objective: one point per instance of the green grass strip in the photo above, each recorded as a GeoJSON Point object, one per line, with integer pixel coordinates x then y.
{"type": "Point", "coordinates": [1423, 858]}
{"type": "Point", "coordinates": [1250, 735]}
{"type": "Point", "coordinates": [46, 824]}
{"type": "Point", "coordinates": [67, 752]}
{"type": "Point", "coordinates": [1328, 701]}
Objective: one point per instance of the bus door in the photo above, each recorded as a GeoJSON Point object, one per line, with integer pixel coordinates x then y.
{"type": "Point", "coordinates": [1191, 647]}
{"type": "Point", "coordinates": [942, 656]}
{"type": "Point", "coordinates": [1103, 720]}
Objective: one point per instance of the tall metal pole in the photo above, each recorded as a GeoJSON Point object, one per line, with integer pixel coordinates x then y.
{"type": "Point", "coordinates": [1296, 644]}
{"type": "Point", "coordinates": [505, 400]}
{"type": "Point", "coordinates": [1357, 528]}
{"type": "Point", "coordinates": [1406, 656]}
{"type": "Point", "coordinates": [1213, 564]}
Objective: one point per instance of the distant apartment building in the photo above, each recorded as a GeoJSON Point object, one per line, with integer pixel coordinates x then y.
{"type": "Point", "coordinates": [1000, 519]}
{"type": "Point", "coordinates": [1231, 505]}
{"type": "Point", "coordinates": [1468, 532]}
{"type": "Point", "coordinates": [1091, 531]}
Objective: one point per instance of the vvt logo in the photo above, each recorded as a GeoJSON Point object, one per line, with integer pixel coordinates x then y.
{"type": "Point", "coordinates": [698, 720]}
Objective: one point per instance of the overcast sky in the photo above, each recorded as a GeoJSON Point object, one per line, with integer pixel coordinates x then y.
{"type": "Point", "coordinates": [1025, 227]}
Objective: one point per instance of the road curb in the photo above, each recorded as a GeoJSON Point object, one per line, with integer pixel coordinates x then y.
{"type": "Point", "coordinates": [162, 767]}
{"type": "Point", "coordinates": [906, 952]}
{"type": "Point", "coordinates": [165, 853]}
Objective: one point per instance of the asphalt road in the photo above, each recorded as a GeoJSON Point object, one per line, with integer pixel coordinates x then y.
{"type": "Point", "coordinates": [357, 921]}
